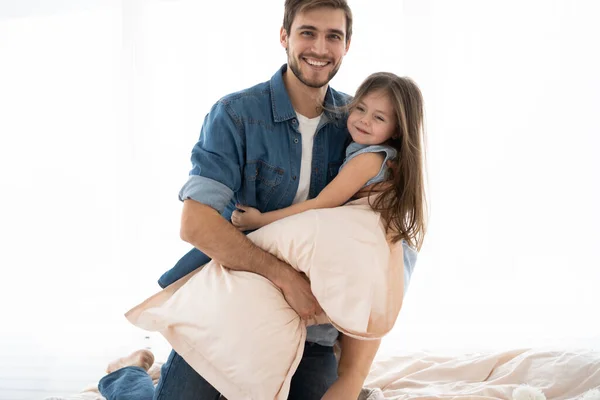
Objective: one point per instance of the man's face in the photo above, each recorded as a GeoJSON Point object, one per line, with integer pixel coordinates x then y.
{"type": "Point", "coordinates": [316, 45]}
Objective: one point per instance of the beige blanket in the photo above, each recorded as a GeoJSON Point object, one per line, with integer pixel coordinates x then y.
{"type": "Point", "coordinates": [559, 375]}
{"type": "Point", "coordinates": [554, 375]}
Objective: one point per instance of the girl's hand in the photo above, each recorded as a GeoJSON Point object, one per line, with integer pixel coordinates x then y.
{"type": "Point", "coordinates": [247, 219]}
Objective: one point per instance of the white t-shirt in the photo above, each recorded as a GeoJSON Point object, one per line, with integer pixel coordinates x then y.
{"type": "Point", "coordinates": [308, 128]}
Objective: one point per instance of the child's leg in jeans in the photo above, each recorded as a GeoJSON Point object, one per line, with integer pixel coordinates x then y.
{"type": "Point", "coordinates": [128, 378]}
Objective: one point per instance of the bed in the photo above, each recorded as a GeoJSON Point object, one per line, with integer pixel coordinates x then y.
{"type": "Point", "coordinates": [522, 374]}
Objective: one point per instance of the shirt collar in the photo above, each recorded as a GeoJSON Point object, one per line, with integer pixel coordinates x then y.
{"type": "Point", "coordinates": [282, 105]}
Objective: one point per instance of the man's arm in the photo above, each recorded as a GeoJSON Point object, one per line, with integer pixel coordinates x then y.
{"type": "Point", "coordinates": [204, 228]}
{"type": "Point", "coordinates": [354, 366]}
{"type": "Point", "coordinates": [218, 159]}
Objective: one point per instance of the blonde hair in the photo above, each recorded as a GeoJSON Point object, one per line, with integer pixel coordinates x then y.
{"type": "Point", "coordinates": [401, 201]}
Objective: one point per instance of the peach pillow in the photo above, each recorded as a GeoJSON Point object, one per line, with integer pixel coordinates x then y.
{"type": "Point", "coordinates": [236, 329]}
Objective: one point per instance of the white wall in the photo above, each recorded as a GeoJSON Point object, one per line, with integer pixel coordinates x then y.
{"type": "Point", "coordinates": [101, 103]}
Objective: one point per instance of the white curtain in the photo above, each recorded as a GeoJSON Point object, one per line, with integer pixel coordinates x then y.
{"type": "Point", "coordinates": [102, 101]}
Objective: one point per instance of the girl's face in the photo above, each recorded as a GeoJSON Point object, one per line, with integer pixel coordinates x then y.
{"type": "Point", "coordinates": [373, 120]}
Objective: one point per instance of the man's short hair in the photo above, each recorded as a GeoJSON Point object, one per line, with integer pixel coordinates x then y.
{"type": "Point", "coordinates": [293, 7]}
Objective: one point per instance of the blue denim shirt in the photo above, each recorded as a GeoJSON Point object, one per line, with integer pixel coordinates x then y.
{"type": "Point", "coordinates": [249, 152]}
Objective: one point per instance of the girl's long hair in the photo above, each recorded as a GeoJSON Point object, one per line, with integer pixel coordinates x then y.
{"type": "Point", "coordinates": [401, 200]}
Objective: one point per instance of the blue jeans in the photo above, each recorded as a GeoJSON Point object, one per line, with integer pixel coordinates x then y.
{"type": "Point", "coordinates": [178, 381]}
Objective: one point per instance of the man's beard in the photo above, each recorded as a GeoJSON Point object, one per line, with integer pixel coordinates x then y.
{"type": "Point", "coordinates": [293, 63]}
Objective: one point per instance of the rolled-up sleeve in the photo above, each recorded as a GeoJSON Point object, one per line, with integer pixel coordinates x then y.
{"type": "Point", "coordinates": [217, 160]}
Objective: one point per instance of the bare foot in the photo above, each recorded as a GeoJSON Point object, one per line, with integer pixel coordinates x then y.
{"type": "Point", "coordinates": [91, 388]}
{"type": "Point", "coordinates": [154, 371]}
{"type": "Point", "coordinates": [141, 358]}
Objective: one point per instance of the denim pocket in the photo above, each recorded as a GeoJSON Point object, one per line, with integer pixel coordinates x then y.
{"type": "Point", "coordinates": [262, 180]}
{"type": "Point", "coordinates": [265, 173]}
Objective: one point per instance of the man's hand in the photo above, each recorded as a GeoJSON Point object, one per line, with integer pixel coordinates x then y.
{"type": "Point", "coordinates": [247, 219]}
{"type": "Point", "coordinates": [296, 290]}
{"type": "Point", "coordinates": [205, 229]}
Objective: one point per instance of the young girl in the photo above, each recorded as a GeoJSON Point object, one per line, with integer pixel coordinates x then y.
{"type": "Point", "coordinates": [386, 157]}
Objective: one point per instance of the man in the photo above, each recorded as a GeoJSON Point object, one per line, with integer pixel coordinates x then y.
{"type": "Point", "coordinates": [269, 146]}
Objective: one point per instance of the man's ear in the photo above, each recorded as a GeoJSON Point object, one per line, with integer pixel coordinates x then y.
{"type": "Point", "coordinates": [283, 38]}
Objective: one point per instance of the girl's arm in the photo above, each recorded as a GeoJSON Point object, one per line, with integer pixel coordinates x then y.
{"type": "Point", "coordinates": [342, 188]}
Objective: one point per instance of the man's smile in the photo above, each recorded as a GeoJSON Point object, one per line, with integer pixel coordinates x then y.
{"type": "Point", "coordinates": [314, 63]}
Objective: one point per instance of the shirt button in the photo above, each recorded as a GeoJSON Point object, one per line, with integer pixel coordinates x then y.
{"type": "Point", "coordinates": [294, 121]}
{"type": "Point", "coordinates": [294, 177]}
{"type": "Point", "coordinates": [296, 141]}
